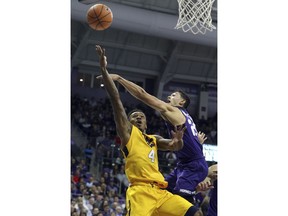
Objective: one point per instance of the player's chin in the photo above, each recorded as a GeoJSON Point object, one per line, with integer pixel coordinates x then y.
{"type": "Point", "coordinates": [138, 125]}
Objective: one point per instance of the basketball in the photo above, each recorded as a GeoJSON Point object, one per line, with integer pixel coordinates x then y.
{"type": "Point", "coordinates": [99, 17]}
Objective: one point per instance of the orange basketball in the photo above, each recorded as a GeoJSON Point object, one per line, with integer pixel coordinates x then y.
{"type": "Point", "coordinates": [99, 17]}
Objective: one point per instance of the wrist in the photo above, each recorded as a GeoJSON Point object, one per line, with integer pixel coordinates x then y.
{"type": "Point", "coordinates": [119, 78]}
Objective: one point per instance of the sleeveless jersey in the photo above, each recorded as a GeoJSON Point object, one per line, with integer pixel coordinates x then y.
{"type": "Point", "coordinates": [192, 149]}
{"type": "Point", "coordinates": [141, 158]}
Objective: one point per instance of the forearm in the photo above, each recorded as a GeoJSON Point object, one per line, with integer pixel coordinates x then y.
{"type": "Point", "coordinates": [139, 93]}
{"type": "Point", "coordinates": [168, 145]}
{"type": "Point", "coordinates": [109, 84]}
{"type": "Point", "coordinates": [123, 126]}
{"type": "Point", "coordinates": [131, 87]}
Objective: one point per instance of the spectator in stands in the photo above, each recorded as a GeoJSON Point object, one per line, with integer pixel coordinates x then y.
{"type": "Point", "coordinates": [83, 212]}
{"type": "Point", "coordinates": [112, 187]}
{"type": "Point", "coordinates": [114, 206]}
{"type": "Point", "coordinates": [94, 190]}
{"type": "Point", "coordinates": [95, 211]}
{"type": "Point", "coordinates": [106, 210]}
{"type": "Point", "coordinates": [122, 178]}
{"type": "Point", "coordinates": [98, 201]}
{"type": "Point", "coordinates": [90, 203]}
{"type": "Point", "coordinates": [74, 213]}
{"type": "Point", "coordinates": [74, 190]}
{"type": "Point", "coordinates": [79, 206]}
{"type": "Point", "coordinates": [77, 176]}
{"type": "Point", "coordinates": [90, 182]}
{"type": "Point", "coordinates": [119, 210]}
{"type": "Point", "coordinates": [171, 157]}
{"type": "Point", "coordinates": [83, 166]}
{"type": "Point", "coordinates": [104, 203]}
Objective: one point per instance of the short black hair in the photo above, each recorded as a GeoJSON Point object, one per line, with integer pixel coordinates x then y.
{"type": "Point", "coordinates": [134, 110]}
{"type": "Point", "coordinates": [185, 97]}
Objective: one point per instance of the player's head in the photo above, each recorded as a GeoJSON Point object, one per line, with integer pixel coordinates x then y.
{"type": "Point", "coordinates": [179, 98]}
{"type": "Point", "coordinates": [138, 119]}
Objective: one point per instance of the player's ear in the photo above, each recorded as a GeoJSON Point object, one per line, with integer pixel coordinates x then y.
{"type": "Point", "coordinates": [182, 102]}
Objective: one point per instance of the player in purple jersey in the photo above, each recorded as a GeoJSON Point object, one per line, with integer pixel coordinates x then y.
{"type": "Point", "coordinates": [191, 167]}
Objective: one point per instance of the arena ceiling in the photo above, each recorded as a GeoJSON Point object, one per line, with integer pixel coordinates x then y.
{"type": "Point", "coordinates": [143, 43]}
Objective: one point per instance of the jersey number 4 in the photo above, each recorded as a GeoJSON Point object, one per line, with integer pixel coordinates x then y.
{"type": "Point", "coordinates": [151, 155]}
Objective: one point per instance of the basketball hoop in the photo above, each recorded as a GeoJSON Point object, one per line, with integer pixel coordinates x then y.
{"type": "Point", "coordinates": [195, 16]}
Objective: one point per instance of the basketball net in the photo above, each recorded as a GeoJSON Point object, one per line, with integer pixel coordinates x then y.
{"type": "Point", "coordinates": [195, 16]}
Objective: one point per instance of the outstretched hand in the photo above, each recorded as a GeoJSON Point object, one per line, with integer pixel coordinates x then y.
{"type": "Point", "coordinates": [204, 185]}
{"type": "Point", "coordinates": [102, 57]}
{"type": "Point", "coordinates": [202, 137]}
{"type": "Point", "coordinates": [177, 136]}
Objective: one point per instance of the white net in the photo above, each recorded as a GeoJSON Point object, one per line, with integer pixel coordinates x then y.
{"type": "Point", "coordinates": [195, 16]}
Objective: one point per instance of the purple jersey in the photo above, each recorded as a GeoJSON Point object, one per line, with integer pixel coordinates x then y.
{"type": "Point", "coordinates": [192, 149]}
{"type": "Point", "coordinates": [192, 167]}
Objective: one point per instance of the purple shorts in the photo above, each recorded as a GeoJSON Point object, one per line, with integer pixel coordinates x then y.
{"type": "Point", "coordinates": [186, 176]}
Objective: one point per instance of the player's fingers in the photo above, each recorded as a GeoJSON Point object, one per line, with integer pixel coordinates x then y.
{"type": "Point", "coordinates": [99, 77]}
{"type": "Point", "coordinates": [98, 48]}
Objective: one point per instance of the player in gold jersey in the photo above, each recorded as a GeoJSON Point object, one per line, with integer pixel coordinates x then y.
{"type": "Point", "coordinates": [146, 195]}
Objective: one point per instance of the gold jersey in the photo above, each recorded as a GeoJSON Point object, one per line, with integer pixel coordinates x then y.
{"type": "Point", "coordinates": [141, 159]}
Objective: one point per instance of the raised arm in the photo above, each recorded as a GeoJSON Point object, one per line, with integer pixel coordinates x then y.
{"type": "Point", "coordinates": [141, 94]}
{"type": "Point", "coordinates": [123, 126]}
{"type": "Point", "coordinates": [169, 112]}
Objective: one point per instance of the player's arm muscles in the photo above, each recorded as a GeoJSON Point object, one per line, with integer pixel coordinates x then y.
{"type": "Point", "coordinates": [140, 93]}
{"type": "Point", "coordinates": [167, 144]}
{"type": "Point", "coordinates": [123, 126]}
{"type": "Point", "coordinates": [168, 112]}
{"type": "Point", "coordinates": [173, 144]}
